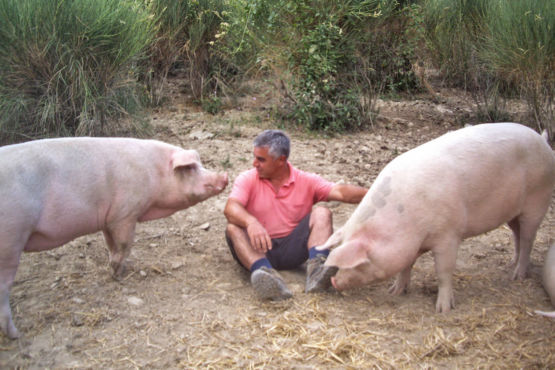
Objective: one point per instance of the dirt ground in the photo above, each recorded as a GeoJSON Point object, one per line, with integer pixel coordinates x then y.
{"type": "Point", "coordinates": [185, 303]}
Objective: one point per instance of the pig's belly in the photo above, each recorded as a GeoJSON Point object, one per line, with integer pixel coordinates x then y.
{"type": "Point", "coordinates": [491, 212]}
{"type": "Point", "coordinates": [43, 238]}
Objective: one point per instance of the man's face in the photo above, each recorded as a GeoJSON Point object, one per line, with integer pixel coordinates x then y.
{"type": "Point", "coordinates": [265, 164]}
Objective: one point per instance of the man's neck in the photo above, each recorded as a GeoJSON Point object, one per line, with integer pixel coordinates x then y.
{"type": "Point", "coordinates": [281, 177]}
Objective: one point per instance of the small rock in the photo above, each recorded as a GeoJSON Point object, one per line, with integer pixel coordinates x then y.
{"type": "Point", "coordinates": [443, 110]}
{"type": "Point", "coordinates": [135, 301]}
{"type": "Point", "coordinates": [205, 226]}
{"type": "Point", "coordinates": [77, 320]}
{"type": "Point", "coordinates": [177, 265]}
{"type": "Point", "coordinates": [78, 300]}
{"type": "Point", "coordinates": [142, 273]}
{"type": "Point", "coordinates": [201, 135]}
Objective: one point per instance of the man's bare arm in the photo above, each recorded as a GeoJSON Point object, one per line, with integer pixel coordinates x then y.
{"type": "Point", "coordinates": [347, 193]}
{"type": "Point", "coordinates": [236, 214]}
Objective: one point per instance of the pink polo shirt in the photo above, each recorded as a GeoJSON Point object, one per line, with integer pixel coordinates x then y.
{"type": "Point", "coordinates": [280, 212]}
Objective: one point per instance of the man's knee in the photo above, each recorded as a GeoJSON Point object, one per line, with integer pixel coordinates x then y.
{"type": "Point", "coordinates": [320, 216]}
{"type": "Point", "coordinates": [233, 231]}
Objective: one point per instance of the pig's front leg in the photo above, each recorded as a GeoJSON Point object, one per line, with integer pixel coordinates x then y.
{"type": "Point", "coordinates": [402, 281]}
{"type": "Point", "coordinates": [6, 321]}
{"type": "Point", "coordinates": [9, 260]}
{"type": "Point", "coordinates": [445, 259]}
{"type": "Point", "coordinates": [119, 239]}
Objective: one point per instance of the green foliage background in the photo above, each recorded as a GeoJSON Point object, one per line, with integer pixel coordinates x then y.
{"type": "Point", "coordinates": [74, 67]}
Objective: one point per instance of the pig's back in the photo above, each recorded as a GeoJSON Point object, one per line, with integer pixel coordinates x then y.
{"type": "Point", "coordinates": [479, 155]}
{"type": "Point", "coordinates": [477, 178]}
{"type": "Point", "coordinates": [77, 181]}
{"type": "Point", "coordinates": [71, 162]}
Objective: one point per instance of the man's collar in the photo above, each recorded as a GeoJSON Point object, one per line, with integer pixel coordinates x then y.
{"type": "Point", "coordinates": [292, 174]}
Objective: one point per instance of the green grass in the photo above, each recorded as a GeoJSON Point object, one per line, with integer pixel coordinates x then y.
{"type": "Point", "coordinates": [67, 66]}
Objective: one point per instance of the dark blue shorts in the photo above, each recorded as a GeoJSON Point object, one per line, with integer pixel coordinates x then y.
{"type": "Point", "coordinates": [288, 252]}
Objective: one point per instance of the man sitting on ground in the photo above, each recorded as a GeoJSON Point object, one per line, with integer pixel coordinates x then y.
{"type": "Point", "coordinates": [271, 220]}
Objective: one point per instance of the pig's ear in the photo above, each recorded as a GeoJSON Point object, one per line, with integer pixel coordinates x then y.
{"type": "Point", "coordinates": [348, 255]}
{"type": "Point", "coordinates": [333, 240]}
{"type": "Point", "coordinates": [184, 159]}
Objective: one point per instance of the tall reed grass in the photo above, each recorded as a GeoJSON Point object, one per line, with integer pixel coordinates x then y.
{"type": "Point", "coordinates": [67, 66]}
{"type": "Point", "coordinates": [453, 30]}
{"type": "Point", "coordinates": [519, 48]}
{"type": "Point", "coordinates": [185, 31]}
{"type": "Point", "coordinates": [496, 49]}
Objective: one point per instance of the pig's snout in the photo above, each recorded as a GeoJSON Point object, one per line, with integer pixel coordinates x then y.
{"type": "Point", "coordinates": [222, 182]}
{"type": "Point", "coordinates": [333, 283]}
{"type": "Point", "coordinates": [217, 184]}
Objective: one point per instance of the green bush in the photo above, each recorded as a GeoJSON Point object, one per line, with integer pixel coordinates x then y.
{"type": "Point", "coordinates": [67, 66]}
{"type": "Point", "coordinates": [496, 49]}
{"type": "Point", "coordinates": [336, 57]}
{"type": "Point", "coordinates": [241, 38]}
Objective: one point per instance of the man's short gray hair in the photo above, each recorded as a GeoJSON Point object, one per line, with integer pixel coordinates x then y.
{"type": "Point", "coordinates": [276, 141]}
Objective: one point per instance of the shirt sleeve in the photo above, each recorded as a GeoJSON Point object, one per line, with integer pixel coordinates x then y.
{"type": "Point", "coordinates": [241, 188]}
{"type": "Point", "coordinates": [320, 186]}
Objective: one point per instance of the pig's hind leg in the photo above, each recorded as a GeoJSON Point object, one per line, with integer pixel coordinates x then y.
{"type": "Point", "coordinates": [524, 228]}
{"type": "Point", "coordinates": [119, 239]}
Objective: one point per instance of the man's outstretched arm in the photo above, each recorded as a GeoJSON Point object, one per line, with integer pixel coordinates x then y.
{"type": "Point", "coordinates": [347, 193]}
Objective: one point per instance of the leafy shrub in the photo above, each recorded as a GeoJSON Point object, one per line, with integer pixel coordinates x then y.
{"type": "Point", "coordinates": [336, 57]}
{"type": "Point", "coordinates": [67, 66]}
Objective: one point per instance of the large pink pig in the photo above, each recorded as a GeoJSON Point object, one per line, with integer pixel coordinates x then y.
{"type": "Point", "coordinates": [54, 190]}
{"type": "Point", "coordinates": [430, 198]}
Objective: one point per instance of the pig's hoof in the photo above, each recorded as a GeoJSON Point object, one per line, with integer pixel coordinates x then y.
{"type": "Point", "coordinates": [10, 330]}
{"type": "Point", "coordinates": [445, 304]}
{"type": "Point", "coordinates": [269, 285]}
{"type": "Point", "coordinates": [320, 279]}
{"type": "Point", "coordinates": [520, 274]}
{"type": "Point", "coordinates": [13, 333]}
{"type": "Point", "coordinates": [118, 271]}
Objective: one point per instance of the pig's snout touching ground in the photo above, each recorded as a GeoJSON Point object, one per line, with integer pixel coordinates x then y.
{"type": "Point", "coordinates": [333, 283]}
{"type": "Point", "coordinates": [320, 280]}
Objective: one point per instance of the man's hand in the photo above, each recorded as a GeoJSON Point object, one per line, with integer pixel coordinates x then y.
{"type": "Point", "coordinates": [259, 237]}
